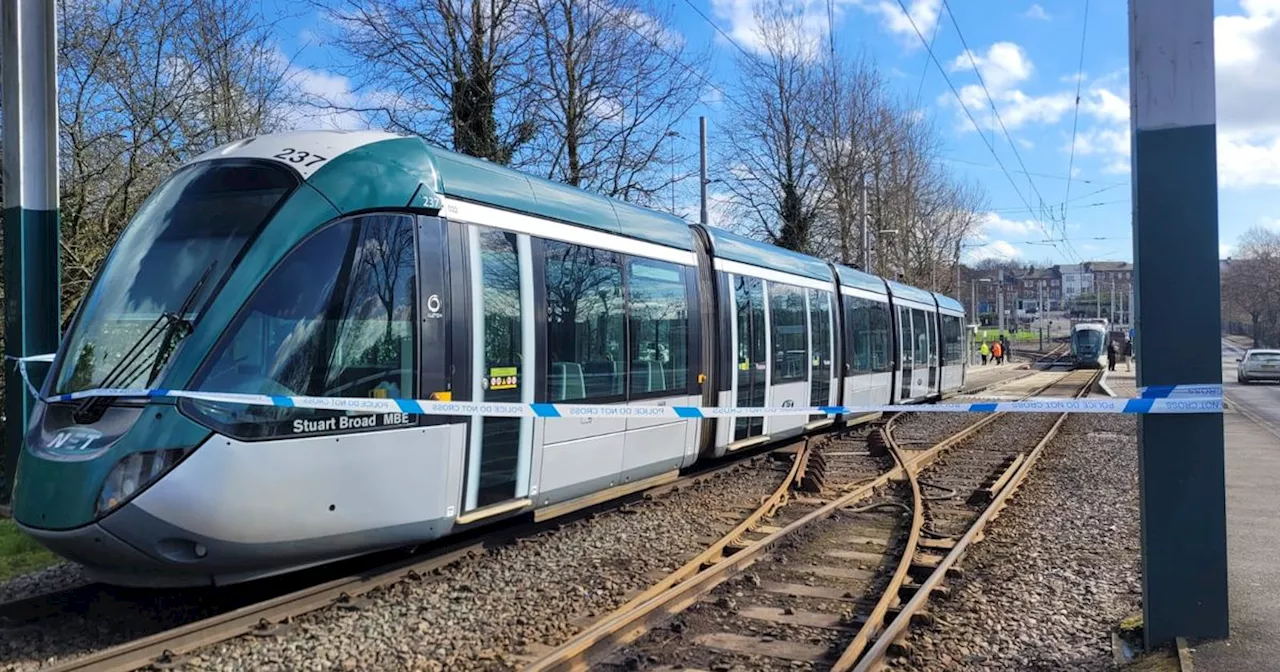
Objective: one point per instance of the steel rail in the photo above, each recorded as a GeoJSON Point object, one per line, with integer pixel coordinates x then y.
{"type": "Point", "coordinates": [623, 627]}
{"type": "Point", "coordinates": [632, 621]}
{"type": "Point", "coordinates": [890, 596]}
{"type": "Point", "coordinates": [875, 656]}
{"type": "Point", "coordinates": [168, 645]}
{"type": "Point", "coordinates": [715, 552]}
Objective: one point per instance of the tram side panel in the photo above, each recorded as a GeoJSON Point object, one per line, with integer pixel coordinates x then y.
{"type": "Point", "coordinates": [868, 349]}
{"type": "Point", "coordinates": [615, 346]}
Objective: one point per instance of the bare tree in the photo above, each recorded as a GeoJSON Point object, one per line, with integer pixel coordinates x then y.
{"type": "Point", "coordinates": [441, 68]}
{"type": "Point", "coordinates": [612, 83]}
{"type": "Point", "coordinates": [143, 86]}
{"type": "Point", "coordinates": [771, 157]}
{"type": "Point", "coordinates": [847, 140]}
{"type": "Point", "coordinates": [1251, 284]}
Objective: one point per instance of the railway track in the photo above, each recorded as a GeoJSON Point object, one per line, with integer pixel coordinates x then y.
{"type": "Point", "coordinates": [829, 576]}
{"type": "Point", "coordinates": [268, 609]}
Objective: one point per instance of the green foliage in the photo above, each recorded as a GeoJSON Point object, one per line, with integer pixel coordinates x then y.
{"type": "Point", "coordinates": [20, 554]}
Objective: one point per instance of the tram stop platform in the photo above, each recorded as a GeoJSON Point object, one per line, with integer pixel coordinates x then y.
{"type": "Point", "coordinates": [981, 377]}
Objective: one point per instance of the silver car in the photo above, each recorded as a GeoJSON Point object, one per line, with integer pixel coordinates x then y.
{"type": "Point", "coordinates": [1258, 365]}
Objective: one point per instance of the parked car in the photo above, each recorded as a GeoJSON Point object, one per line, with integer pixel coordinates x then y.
{"type": "Point", "coordinates": [1257, 364]}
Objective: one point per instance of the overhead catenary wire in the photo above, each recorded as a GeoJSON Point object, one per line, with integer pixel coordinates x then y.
{"type": "Point", "coordinates": [934, 57]}
{"type": "Point", "coordinates": [1075, 120]}
{"type": "Point", "coordinates": [658, 45]}
{"type": "Point", "coordinates": [990, 99]}
{"type": "Point", "coordinates": [933, 38]}
{"type": "Point", "coordinates": [718, 29]}
{"type": "Point", "coordinates": [1048, 176]}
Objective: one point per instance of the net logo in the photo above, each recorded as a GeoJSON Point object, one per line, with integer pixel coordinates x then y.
{"type": "Point", "coordinates": [73, 442]}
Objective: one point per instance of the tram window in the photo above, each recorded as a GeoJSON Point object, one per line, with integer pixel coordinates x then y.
{"type": "Point", "coordinates": [335, 318]}
{"type": "Point", "coordinates": [197, 222]}
{"type": "Point", "coordinates": [584, 323]}
{"type": "Point", "coordinates": [880, 349]}
{"type": "Point", "coordinates": [858, 317]}
{"type": "Point", "coordinates": [953, 347]}
{"type": "Point", "coordinates": [787, 327]}
{"type": "Point", "coordinates": [919, 320]}
{"type": "Point", "coordinates": [820, 332]}
{"type": "Point", "coordinates": [659, 328]}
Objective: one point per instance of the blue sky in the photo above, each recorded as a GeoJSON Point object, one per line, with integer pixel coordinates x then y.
{"type": "Point", "coordinates": [1029, 56]}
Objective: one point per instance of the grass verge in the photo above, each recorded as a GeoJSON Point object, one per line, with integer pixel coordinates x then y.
{"type": "Point", "coordinates": [19, 553]}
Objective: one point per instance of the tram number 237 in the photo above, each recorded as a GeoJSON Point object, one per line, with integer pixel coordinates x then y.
{"type": "Point", "coordinates": [299, 156]}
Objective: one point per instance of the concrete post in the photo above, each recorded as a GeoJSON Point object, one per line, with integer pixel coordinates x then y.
{"type": "Point", "coordinates": [1175, 242]}
{"type": "Point", "coordinates": [30, 132]}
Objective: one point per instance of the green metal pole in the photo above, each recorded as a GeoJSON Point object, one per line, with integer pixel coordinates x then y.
{"type": "Point", "coordinates": [30, 135]}
{"type": "Point", "coordinates": [1181, 470]}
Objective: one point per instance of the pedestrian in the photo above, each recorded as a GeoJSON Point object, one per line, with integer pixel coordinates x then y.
{"type": "Point", "coordinates": [1128, 354]}
{"type": "Point", "coordinates": [1111, 355]}
{"type": "Point", "coordinates": [1004, 345]}
{"type": "Point", "coordinates": [986, 352]}
{"type": "Point", "coordinates": [997, 352]}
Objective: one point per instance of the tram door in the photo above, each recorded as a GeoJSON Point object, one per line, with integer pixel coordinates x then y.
{"type": "Point", "coordinates": [499, 451]}
{"type": "Point", "coordinates": [752, 358]}
{"type": "Point", "coordinates": [923, 356]}
{"type": "Point", "coordinates": [906, 344]}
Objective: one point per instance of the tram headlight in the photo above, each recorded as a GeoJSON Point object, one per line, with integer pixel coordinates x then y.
{"type": "Point", "coordinates": [134, 472]}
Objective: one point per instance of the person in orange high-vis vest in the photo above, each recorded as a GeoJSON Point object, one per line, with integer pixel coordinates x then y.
{"type": "Point", "coordinates": [997, 352]}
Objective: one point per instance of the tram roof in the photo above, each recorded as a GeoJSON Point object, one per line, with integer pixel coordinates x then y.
{"type": "Point", "coordinates": [734, 247]}
{"type": "Point", "coordinates": [852, 277]}
{"type": "Point", "coordinates": [908, 292]}
{"type": "Point", "coordinates": [478, 180]}
{"type": "Point", "coordinates": [948, 303]}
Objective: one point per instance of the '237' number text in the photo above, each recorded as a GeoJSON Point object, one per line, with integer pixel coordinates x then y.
{"type": "Point", "coordinates": [298, 156]}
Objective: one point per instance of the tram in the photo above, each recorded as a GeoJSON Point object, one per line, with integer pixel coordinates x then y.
{"type": "Point", "coordinates": [367, 264]}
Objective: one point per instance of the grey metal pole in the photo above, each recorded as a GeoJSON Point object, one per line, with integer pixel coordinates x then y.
{"type": "Point", "coordinates": [1112, 297]}
{"type": "Point", "coordinates": [1040, 313]}
{"type": "Point", "coordinates": [1000, 303]}
{"type": "Point", "coordinates": [30, 131]}
{"type": "Point", "coordinates": [973, 306]}
{"type": "Point", "coordinates": [1133, 315]}
{"type": "Point", "coordinates": [866, 229]}
{"type": "Point", "coordinates": [1181, 471]}
{"type": "Point", "coordinates": [702, 162]}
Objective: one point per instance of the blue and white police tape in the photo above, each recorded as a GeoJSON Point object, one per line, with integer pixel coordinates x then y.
{"type": "Point", "coordinates": [22, 369]}
{"type": "Point", "coordinates": [1166, 399]}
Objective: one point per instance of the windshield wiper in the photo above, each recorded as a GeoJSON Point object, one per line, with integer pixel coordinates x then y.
{"type": "Point", "coordinates": [170, 328]}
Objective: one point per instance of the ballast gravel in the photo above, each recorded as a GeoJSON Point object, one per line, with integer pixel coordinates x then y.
{"type": "Point", "coordinates": [1057, 570]}
{"type": "Point", "coordinates": [51, 579]}
{"type": "Point", "coordinates": [484, 613]}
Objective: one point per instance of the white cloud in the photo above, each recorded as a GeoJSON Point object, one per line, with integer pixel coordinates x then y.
{"type": "Point", "coordinates": [1248, 159]}
{"type": "Point", "coordinates": [320, 90]}
{"type": "Point", "coordinates": [1247, 54]}
{"type": "Point", "coordinates": [745, 29]}
{"type": "Point", "coordinates": [1004, 65]}
{"type": "Point", "coordinates": [922, 13]}
{"type": "Point", "coordinates": [1110, 143]}
{"type": "Point", "coordinates": [996, 249]}
{"type": "Point", "coordinates": [1224, 250]}
{"type": "Point", "coordinates": [993, 223]}
{"type": "Point", "coordinates": [1037, 12]}
{"type": "Point", "coordinates": [1270, 223]}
